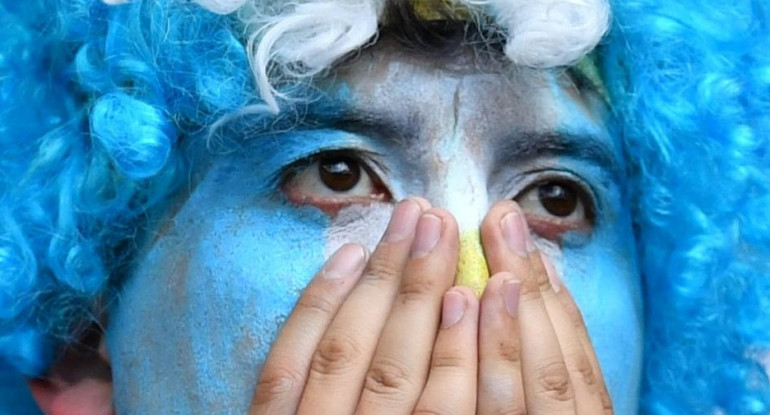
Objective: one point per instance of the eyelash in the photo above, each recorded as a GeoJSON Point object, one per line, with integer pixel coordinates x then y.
{"type": "Point", "coordinates": [533, 190]}
{"type": "Point", "coordinates": [368, 160]}
{"type": "Point", "coordinates": [533, 178]}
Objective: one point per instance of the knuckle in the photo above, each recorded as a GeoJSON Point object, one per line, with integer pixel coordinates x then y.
{"type": "Point", "coordinates": [606, 402]}
{"type": "Point", "coordinates": [381, 269]}
{"type": "Point", "coordinates": [552, 381]}
{"type": "Point", "coordinates": [277, 382]}
{"type": "Point", "coordinates": [316, 303]}
{"type": "Point", "coordinates": [388, 378]}
{"type": "Point", "coordinates": [586, 371]}
{"type": "Point", "coordinates": [543, 283]}
{"type": "Point", "coordinates": [416, 289]}
{"type": "Point", "coordinates": [447, 360]}
{"type": "Point", "coordinates": [504, 352]}
{"type": "Point", "coordinates": [335, 354]}
{"type": "Point", "coordinates": [530, 293]}
{"type": "Point", "coordinates": [509, 351]}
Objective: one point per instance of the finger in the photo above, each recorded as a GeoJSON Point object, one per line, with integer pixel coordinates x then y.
{"type": "Point", "coordinates": [399, 369]}
{"type": "Point", "coordinates": [342, 357]}
{"type": "Point", "coordinates": [582, 376]}
{"type": "Point", "coordinates": [500, 388]}
{"type": "Point", "coordinates": [285, 370]}
{"type": "Point", "coordinates": [424, 204]}
{"type": "Point", "coordinates": [509, 247]}
{"type": "Point", "coordinates": [451, 386]}
{"type": "Point", "coordinates": [584, 366]}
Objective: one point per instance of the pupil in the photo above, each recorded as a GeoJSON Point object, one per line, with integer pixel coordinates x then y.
{"type": "Point", "coordinates": [557, 199]}
{"type": "Point", "coordinates": [339, 173]}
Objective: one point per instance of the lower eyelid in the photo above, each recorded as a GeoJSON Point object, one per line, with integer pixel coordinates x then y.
{"type": "Point", "coordinates": [332, 206]}
{"type": "Point", "coordinates": [552, 231]}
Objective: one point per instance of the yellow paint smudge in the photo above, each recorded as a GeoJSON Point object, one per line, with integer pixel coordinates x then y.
{"type": "Point", "coordinates": [472, 268]}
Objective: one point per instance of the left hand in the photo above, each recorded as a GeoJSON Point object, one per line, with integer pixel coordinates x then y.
{"type": "Point", "coordinates": [535, 356]}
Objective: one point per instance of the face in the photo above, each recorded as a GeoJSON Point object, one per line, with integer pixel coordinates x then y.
{"type": "Point", "coordinates": [212, 288]}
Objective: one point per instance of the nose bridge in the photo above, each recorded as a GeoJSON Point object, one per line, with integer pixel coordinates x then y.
{"type": "Point", "coordinates": [462, 190]}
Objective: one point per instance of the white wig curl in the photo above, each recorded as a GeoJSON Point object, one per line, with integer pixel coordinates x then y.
{"type": "Point", "coordinates": [222, 6]}
{"type": "Point", "coordinates": [548, 33]}
{"type": "Point", "coordinates": [301, 38]}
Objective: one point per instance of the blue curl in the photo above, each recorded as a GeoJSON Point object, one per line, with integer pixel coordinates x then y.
{"type": "Point", "coordinates": [137, 137]}
{"type": "Point", "coordinates": [689, 80]}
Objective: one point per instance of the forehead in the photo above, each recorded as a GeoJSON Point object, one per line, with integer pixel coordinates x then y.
{"type": "Point", "coordinates": [391, 78]}
{"type": "Point", "coordinates": [401, 97]}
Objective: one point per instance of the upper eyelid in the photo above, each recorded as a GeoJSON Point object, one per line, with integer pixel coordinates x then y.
{"type": "Point", "coordinates": [559, 173]}
{"type": "Point", "coordinates": [365, 156]}
{"type": "Point", "coordinates": [537, 175]}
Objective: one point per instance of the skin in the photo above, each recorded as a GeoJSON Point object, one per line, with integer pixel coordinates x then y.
{"type": "Point", "coordinates": [217, 280]}
{"type": "Point", "coordinates": [533, 354]}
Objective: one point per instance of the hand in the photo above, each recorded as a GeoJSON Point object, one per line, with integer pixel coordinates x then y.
{"type": "Point", "coordinates": [367, 338]}
{"type": "Point", "coordinates": [535, 356]}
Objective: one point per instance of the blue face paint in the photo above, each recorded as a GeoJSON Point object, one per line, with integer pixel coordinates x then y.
{"type": "Point", "coordinates": [603, 274]}
{"type": "Point", "coordinates": [209, 295]}
{"type": "Point", "coordinates": [603, 277]}
{"type": "Point", "coordinates": [206, 300]}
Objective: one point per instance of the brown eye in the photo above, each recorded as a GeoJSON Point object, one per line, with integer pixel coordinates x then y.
{"type": "Point", "coordinates": [556, 206]}
{"type": "Point", "coordinates": [558, 199]}
{"type": "Point", "coordinates": [339, 173]}
{"type": "Point", "coordinates": [333, 180]}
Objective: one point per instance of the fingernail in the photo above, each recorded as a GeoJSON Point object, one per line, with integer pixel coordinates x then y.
{"type": "Point", "coordinates": [403, 221]}
{"type": "Point", "coordinates": [347, 261]}
{"type": "Point", "coordinates": [512, 226]}
{"type": "Point", "coordinates": [511, 291]}
{"type": "Point", "coordinates": [428, 234]}
{"type": "Point", "coordinates": [553, 276]}
{"type": "Point", "coordinates": [452, 309]}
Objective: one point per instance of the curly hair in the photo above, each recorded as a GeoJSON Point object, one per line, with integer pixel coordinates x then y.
{"type": "Point", "coordinates": [690, 82]}
{"type": "Point", "coordinates": [96, 99]}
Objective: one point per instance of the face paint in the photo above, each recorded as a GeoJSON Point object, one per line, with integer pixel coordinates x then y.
{"type": "Point", "coordinates": [206, 300]}
{"type": "Point", "coordinates": [210, 295]}
{"type": "Point", "coordinates": [472, 270]}
{"type": "Point", "coordinates": [596, 266]}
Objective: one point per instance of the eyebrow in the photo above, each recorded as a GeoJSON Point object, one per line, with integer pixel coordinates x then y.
{"type": "Point", "coordinates": [376, 125]}
{"type": "Point", "coordinates": [519, 146]}
{"type": "Point", "coordinates": [582, 146]}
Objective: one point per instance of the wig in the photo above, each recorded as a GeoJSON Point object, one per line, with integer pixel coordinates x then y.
{"type": "Point", "coordinates": [97, 98]}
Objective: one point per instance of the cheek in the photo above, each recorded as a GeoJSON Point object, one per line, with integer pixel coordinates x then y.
{"type": "Point", "coordinates": [360, 224]}
{"type": "Point", "coordinates": [604, 280]}
{"type": "Point", "coordinates": [198, 317]}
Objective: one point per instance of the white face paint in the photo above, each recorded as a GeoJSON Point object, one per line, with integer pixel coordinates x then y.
{"type": "Point", "coordinates": [465, 131]}
{"type": "Point", "coordinates": [207, 298]}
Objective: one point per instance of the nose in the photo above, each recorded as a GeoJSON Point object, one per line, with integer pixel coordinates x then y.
{"type": "Point", "coordinates": [472, 270]}
{"type": "Point", "coordinates": [463, 192]}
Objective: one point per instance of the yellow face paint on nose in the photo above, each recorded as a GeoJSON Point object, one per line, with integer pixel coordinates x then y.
{"type": "Point", "coordinates": [472, 268]}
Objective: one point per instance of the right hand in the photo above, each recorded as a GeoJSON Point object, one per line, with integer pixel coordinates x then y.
{"type": "Point", "coordinates": [372, 337]}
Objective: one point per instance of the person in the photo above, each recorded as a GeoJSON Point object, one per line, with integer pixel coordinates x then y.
{"type": "Point", "coordinates": [175, 173]}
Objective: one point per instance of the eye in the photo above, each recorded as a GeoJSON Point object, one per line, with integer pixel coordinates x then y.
{"type": "Point", "coordinates": [556, 206]}
{"type": "Point", "coordinates": [332, 180]}
{"type": "Point", "coordinates": [339, 174]}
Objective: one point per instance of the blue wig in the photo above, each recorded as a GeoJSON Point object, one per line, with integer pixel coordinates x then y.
{"type": "Point", "coordinates": [95, 102]}
{"type": "Point", "coordinates": [691, 83]}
